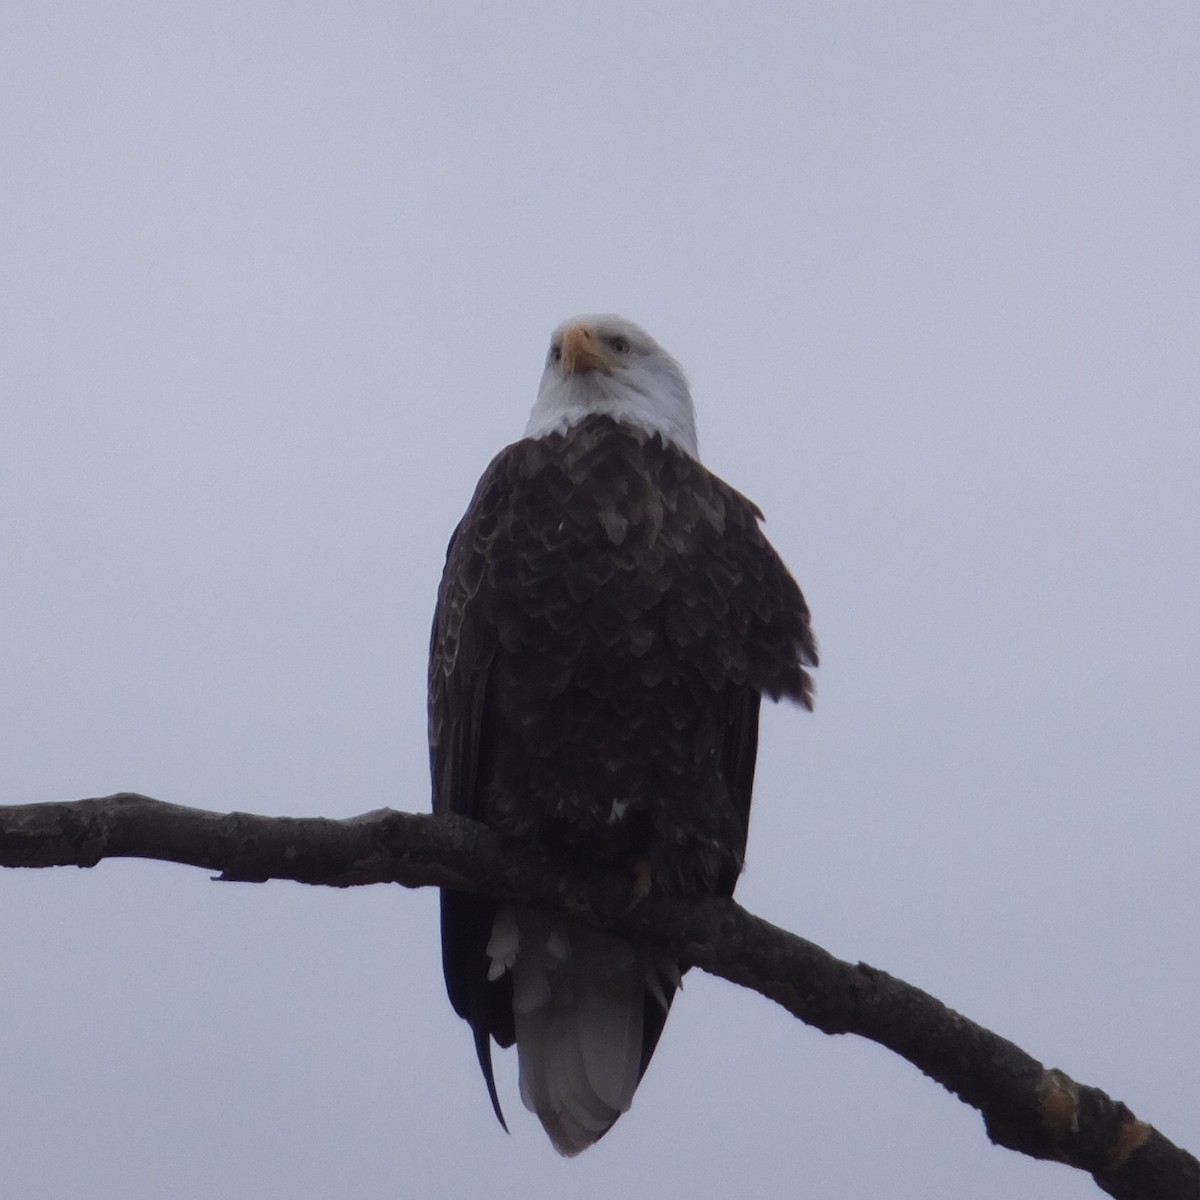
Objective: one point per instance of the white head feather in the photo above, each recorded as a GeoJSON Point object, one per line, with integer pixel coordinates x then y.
{"type": "Point", "coordinates": [605, 364]}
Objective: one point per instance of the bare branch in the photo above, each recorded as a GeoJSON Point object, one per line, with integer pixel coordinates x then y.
{"type": "Point", "coordinates": [1025, 1107]}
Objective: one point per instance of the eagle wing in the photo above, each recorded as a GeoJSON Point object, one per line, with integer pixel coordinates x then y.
{"type": "Point", "coordinates": [461, 746]}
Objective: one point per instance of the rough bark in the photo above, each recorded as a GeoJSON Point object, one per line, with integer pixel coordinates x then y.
{"type": "Point", "coordinates": [1025, 1106]}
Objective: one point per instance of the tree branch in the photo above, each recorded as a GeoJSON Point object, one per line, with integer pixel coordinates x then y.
{"type": "Point", "coordinates": [1026, 1107]}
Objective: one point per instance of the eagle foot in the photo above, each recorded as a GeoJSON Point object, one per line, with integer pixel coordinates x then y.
{"type": "Point", "coordinates": [643, 880]}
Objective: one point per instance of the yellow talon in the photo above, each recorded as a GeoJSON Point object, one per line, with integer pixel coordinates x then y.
{"type": "Point", "coordinates": [643, 879]}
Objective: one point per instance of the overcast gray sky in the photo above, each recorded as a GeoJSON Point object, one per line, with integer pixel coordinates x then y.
{"type": "Point", "coordinates": [276, 282]}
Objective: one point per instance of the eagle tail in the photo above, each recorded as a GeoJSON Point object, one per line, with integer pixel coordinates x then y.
{"type": "Point", "coordinates": [588, 1009]}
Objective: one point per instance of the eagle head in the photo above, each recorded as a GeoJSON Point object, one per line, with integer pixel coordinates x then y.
{"type": "Point", "coordinates": [608, 365]}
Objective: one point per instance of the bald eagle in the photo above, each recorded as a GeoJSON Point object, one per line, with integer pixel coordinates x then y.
{"type": "Point", "coordinates": [608, 622]}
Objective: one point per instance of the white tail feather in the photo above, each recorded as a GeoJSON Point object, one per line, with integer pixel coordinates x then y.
{"type": "Point", "coordinates": [578, 1002]}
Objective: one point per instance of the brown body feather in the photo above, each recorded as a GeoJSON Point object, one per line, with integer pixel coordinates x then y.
{"type": "Point", "coordinates": [609, 618]}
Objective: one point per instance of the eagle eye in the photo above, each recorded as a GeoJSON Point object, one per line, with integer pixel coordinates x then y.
{"type": "Point", "coordinates": [555, 354]}
{"type": "Point", "coordinates": [619, 344]}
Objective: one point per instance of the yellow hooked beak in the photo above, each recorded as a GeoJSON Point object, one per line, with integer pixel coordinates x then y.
{"type": "Point", "coordinates": [583, 351]}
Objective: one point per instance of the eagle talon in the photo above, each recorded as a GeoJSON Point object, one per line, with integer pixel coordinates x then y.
{"type": "Point", "coordinates": [643, 880]}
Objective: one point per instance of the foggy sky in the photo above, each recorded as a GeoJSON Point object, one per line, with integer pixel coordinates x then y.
{"type": "Point", "coordinates": [277, 282]}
